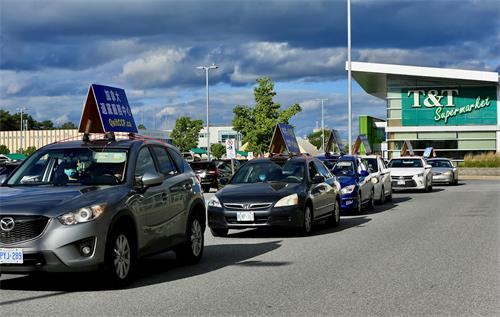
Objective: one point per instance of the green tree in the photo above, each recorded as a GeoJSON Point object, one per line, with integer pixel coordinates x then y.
{"type": "Point", "coordinates": [28, 151]}
{"type": "Point", "coordinates": [217, 150]}
{"type": "Point", "coordinates": [257, 123]}
{"type": "Point", "coordinates": [12, 122]}
{"type": "Point", "coordinates": [315, 138]}
{"type": "Point", "coordinates": [68, 125]}
{"type": "Point", "coordinates": [4, 149]}
{"type": "Point", "coordinates": [141, 126]}
{"type": "Point", "coordinates": [185, 134]}
{"type": "Point", "coordinates": [45, 125]}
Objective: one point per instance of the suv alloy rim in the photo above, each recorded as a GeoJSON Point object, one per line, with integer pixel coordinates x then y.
{"type": "Point", "coordinates": [122, 256]}
{"type": "Point", "coordinates": [196, 237]}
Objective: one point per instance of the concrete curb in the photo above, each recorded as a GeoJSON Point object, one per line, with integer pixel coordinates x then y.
{"type": "Point", "coordinates": [478, 171]}
{"type": "Point", "coordinates": [465, 177]}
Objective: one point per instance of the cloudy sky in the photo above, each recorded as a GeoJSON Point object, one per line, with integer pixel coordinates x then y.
{"type": "Point", "coordinates": [51, 50]}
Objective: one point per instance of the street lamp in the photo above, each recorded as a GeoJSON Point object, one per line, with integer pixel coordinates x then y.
{"type": "Point", "coordinates": [207, 68]}
{"type": "Point", "coordinates": [21, 110]}
{"type": "Point", "coordinates": [349, 93]}
{"type": "Point", "coordinates": [322, 125]}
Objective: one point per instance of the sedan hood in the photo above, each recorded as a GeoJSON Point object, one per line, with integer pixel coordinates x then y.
{"type": "Point", "coordinates": [257, 192]}
{"type": "Point", "coordinates": [346, 180]}
{"type": "Point", "coordinates": [406, 171]}
{"type": "Point", "coordinates": [53, 201]}
{"type": "Point", "coordinates": [441, 170]}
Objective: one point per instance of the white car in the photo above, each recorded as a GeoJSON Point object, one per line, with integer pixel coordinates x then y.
{"type": "Point", "coordinates": [411, 172]}
{"type": "Point", "coordinates": [380, 177]}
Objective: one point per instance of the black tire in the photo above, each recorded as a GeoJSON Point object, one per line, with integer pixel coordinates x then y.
{"type": "Point", "coordinates": [219, 232]}
{"type": "Point", "coordinates": [381, 200]}
{"type": "Point", "coordinates": [389, 197]}
{"type": "Point", "coordinates": [306, 228]}
{"type": "Point", "coordinates": [371, 203]}
{"type": "Point", "coordinates": [120, 258]}
{"type": "Point", "coordinates": [359, 208]}
{"type": "Point", "coordinates": [191, 251]}
{"type": "Point", "coordinates": [334, 220]}
{"type": "Point", "coordinates": [206, 188]}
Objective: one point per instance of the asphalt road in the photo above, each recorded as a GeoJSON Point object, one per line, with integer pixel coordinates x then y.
{"type": "Point", "coordinates": [423, 254]}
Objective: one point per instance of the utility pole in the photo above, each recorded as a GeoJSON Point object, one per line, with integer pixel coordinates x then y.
{"type": "Point", "coordinates": [349, 75]}
{"type": "Point", "coordinates": [322, 124]}
{"type": "Point", "coordinates": [207, 68]}
{"type": "Point", "coordinates": [21, 110]}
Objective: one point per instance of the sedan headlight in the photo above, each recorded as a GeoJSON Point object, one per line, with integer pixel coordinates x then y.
{"type": "Point", "coordinates": [374, 180]}
{"type": "Point", "coordinates": [82, 215]}
{"type": "Point", "coordinates": [420, 175]}
{"type": "Point", "coordinates": [214, 202]}
{"type": "Point", "coordinates": [289, 200]}
{"type": "Point", "coordinates": [348, 189]}
{"type": "Point", "coordinates": [447, 173]}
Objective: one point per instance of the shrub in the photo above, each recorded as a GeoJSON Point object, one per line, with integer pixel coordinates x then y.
{"type": "Point", "coordinates": [482, 160]}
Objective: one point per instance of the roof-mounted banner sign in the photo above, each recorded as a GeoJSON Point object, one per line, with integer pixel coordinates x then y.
{"type": "Point", "coordinates": [334, 139]}
{"type": "Point", "coordinates": [106, 109]}
{"type": "Point", "coordinates": [361, 140]}
{"type": "Point", "coordinates": [428, 152]}
{"type": "Point", "coordinates": [284, 138]}
{"type": "Point", "coordinates": [407, 149]}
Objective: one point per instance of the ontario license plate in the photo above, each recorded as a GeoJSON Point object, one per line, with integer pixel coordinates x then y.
{"type": "Point", "coordinates": [401, 181]}
{"type": "Point", "coordinates": [245, 216]}
{"type": "Point", "coordinates": [11, 256]}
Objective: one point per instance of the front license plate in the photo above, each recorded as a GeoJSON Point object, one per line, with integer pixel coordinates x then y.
{"type": "Point", "coordinates": [245, 216]}
{"type": "Point", "coordinates": [11, 256]}
{"type": "Point", "coordinates": [401, 182]}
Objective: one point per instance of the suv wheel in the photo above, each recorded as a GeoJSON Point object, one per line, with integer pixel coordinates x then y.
{"type": "Point", "coordinates": [191, 251]}
{"type": "Point", "coordinates": [308, 220]}
{"type": "Point", "coordinates": [120, 258]}
{"type": "Point", "coordinates": [381, 200]}
{"type": "Point", "coordinates": [359, 208]}
{"type": "Point", "coordinates": [219, 232]}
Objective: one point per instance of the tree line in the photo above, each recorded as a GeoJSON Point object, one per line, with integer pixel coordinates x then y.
{"type": "Point", "coordinates": [12, 122]}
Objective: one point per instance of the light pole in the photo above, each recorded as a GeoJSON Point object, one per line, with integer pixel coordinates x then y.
{"type": "Point", "coordinates": [21, 110]}
{"type": "Point", "coordinates": [322, 125]}
{"type": "Point", "coordinates": [349, 93]}
{"type": "Point", "coordinates": [207, 68]}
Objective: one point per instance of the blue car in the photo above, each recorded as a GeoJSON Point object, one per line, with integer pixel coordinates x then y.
{"type": "Point", "coordinates": [328, 159]}
{"type": "Point", "coordinates": [357, 187]}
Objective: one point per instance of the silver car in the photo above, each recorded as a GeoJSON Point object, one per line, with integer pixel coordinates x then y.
{"type": "Point", "coordinates": [380, 177]}
{"type": "Point", "coordinates": [443, 171]}
{"type": "Point", "coordinates": [100, 205]}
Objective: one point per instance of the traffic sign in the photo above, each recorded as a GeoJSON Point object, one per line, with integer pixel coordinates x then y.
{"type": "Point", "coordinates": [230, 149]}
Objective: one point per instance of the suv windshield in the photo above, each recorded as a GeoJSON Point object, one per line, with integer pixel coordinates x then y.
{"type": "Point", "coordinates": [78, 166]}
{"type": "Point", "coordinates": [397, 163]}
{"type": "Point", "coordinates": [343, 168]}
{"type": "Point", "coordinates": [269, 171]}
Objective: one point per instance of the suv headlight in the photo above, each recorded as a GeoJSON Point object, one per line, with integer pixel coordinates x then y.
{"type": "Point", "coordinates": [214, 202]}
{"type": "Point", "coordinates": [420, 175]}
{"type": "Point", "coordinates": [289, 200]}
{"type": "Point", "coordinates": [374, 180]}
{"type": "Point", "coordinates": [348, 189]}
{"type": "Point", "coordinates": [82, 215]}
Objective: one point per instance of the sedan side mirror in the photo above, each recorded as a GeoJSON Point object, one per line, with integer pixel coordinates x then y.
{"type": "Point", "coordinates": [364, 173]}
{"type": "Point", "coordinates": [318, 179]}
{"type": "Point", "coordinates": [224, 181]}
{"type": "Point", "coordinates": [428, 166]}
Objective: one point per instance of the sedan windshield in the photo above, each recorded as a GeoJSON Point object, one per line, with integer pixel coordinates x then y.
{"type": "Point", "coordinates": [268, 171]}
{"type": "Point", "coordinates": [343, 168]}
{"type": "Point", "coordinates": [78, 166]}
{"type": "Point", "coordinates": [440, 163]}
{"type": "Point", "coordinates": [401, 163]}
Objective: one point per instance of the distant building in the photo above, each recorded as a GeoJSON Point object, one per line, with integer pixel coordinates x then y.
{"type": "Point", "coordinates": [219, 134]}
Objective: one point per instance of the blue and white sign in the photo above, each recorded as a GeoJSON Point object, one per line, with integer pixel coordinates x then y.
{"type": "Point", "coordinates": [113, 108]}
{"type": "Point", "coordinates": [289, 138]}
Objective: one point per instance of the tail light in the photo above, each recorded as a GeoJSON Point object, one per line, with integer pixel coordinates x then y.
{"type": "Point", "coordinates": [213, 172]}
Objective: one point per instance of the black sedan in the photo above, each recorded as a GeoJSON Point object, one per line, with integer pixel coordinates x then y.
{"type": "Point", "coordinates": [283, 192]}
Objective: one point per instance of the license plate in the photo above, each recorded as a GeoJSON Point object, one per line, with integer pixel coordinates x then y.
{"type": "Point", "coordinates": [401, 182]}
{"type": "Point", "coordinates": [245, 216]}
{"type": "Point", "coordinates": [11, 256]}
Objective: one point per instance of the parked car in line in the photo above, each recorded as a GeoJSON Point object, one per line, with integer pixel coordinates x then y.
{"type": "Point", "coordinates": [280, 191]}
{"type": "Point", "coordinates": [7, 168]}
{"type": "Point", "coordinates": [410, 172]}
{"type": "Point", "coordinates": [443, 171]}
{"type": "Point", "coordinates": [100, 205]}
{"type": "Point", "coordinates": [357, 188]}
{"type": "Point", "coordinates": [209, 173]}
{"type": "Point", "coordinates": [380, 177]}
{"type": "Point", "coordinates": [328, 159]}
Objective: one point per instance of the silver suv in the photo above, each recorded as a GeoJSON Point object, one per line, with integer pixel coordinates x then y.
{"type": "Point", "coordinates": [100, 205]}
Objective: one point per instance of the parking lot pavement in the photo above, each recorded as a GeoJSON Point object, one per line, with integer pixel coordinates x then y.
{"type": "Point", "coordinates": [422, 254]}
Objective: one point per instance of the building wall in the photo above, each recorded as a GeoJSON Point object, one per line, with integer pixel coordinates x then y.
{"type": "Point", "coordinates": [374, 134]}
{"type": "Point", "coordinates": [467, 134]}
{"type": "Point", "coordinates": [218, 134]}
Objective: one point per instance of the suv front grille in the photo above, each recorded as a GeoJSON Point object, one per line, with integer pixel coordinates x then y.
{"type": "Point", "coordinates": [25, 228]}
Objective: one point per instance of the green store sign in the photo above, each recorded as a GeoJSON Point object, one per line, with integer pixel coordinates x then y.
{"type": "Point", "coordinates": [449, 106]}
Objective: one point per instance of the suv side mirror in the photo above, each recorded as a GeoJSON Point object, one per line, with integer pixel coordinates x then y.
{"type": "Point", "coordinates": [150, 179]}
{"type": "Point", "coordinates": [364, 173]}
{"type": "Point", "coordinates": [318, 179]}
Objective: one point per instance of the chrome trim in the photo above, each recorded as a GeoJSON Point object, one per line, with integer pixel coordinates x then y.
{"type": "Point", "coordinates": [247, 206]}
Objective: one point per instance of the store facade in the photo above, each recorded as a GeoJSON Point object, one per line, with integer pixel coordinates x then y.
{"type": "Point", "coordinates": [454, 111]}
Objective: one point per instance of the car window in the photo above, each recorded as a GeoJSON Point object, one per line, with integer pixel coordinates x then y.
{"type": "Point", "coordinates": [322, 170]}
{"type": "Point", "coordinates": [372, 164]}
{"type": "Point", "coordinates": [268, 171]}
{"type": "Point", "coordinates": [166, 165]}
{"type": "Point", "coordinates": [440, 163]}
{"type": "Point", "coordinates": [401, 163]}
{"type": "Point", "coordinates": [145, 162]}
{"type": "Point", "coordinates": [312, 170]}
{"type": "Point", "coordinates": [343, 168]}
{"type": "Point", "coordinates": [180, 161]}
